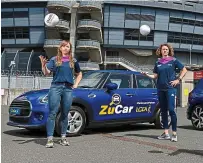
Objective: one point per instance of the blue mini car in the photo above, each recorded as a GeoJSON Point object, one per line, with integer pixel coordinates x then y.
{"type": "Point", "coordinates": [195, 106]}
{"type": "Point", "coordinates": [104, 97]}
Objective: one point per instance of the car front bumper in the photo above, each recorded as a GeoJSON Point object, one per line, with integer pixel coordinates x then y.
{"type": "Point", "coordinates": [189, 111]}
{"type": "Point", "coordinates": [34, 126]}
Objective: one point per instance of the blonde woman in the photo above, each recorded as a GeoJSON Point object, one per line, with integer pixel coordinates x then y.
{"type": "Point", "coordinates": [164, 71]}
{"type": "Point", "coordinates": [63, 67]}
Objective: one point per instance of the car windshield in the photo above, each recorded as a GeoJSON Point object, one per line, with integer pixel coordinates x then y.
{"type": "Point", "coordinates": [91, 79]}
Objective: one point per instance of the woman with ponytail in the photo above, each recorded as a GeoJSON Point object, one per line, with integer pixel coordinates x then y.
{"type": "Point", "coordinates": [64, 67]}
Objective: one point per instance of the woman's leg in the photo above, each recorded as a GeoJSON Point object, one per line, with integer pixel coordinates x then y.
{"type": "Point", "coordinates": [164, 113]}
{"type": "Point", "coordinates": [171, 96]}
{"type": "Point", "coordinates": [164, 109]}
{"type": "Point", "coordinates": [54, 98]}
{"type": "Point", "coordinates": [66, 104]}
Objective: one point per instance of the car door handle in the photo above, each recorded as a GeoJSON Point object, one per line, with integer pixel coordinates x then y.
{"type": "Point", "coordinates": [154, 93]}
{"type": "Point", "coordinates": [91, 95]}
{"type": "Point", "coordinates": [129, 94]}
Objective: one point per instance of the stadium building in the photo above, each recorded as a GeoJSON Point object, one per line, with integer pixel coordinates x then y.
{"type": "Point", "coordinates": [104, 35]}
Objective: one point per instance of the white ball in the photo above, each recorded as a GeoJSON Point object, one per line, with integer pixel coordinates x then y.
{"type": "Point", "coordinates": [145, 30]}
{"type": "Point", "coordinates": [51, 20]}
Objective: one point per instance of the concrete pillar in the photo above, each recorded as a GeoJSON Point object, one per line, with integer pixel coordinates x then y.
{"type": "Point", "coordinates": [186, 87]}
{"type": "Point", "coordinates": [73, 27]}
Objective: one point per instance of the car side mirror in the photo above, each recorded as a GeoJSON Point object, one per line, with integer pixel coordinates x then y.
{"type": "Point", "coordinates": [111, 86]}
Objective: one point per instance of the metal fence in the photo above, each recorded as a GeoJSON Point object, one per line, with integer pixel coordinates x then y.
{"type": "Point", "coordinates": [20, 79]}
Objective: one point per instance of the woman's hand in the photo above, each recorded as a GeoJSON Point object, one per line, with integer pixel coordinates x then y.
{"type": "Point", "coordinates": [174, 82]}
{"type": "Point", "coordinates": [43, 60]}
{"type": "Point", "coordinates": [74, 86]}
{"type": "Point", "coordinates": [144, 73]}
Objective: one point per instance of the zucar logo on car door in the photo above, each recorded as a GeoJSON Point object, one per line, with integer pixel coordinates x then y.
{"type": "Point", "coordinates": [115, 107]}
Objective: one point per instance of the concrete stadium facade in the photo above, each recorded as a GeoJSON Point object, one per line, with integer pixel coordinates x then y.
{"type": "Point", "coordinates": [104, 35]}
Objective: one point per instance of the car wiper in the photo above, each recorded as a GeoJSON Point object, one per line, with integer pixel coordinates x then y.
{"type": "Point", "coordinates": [85, 86]}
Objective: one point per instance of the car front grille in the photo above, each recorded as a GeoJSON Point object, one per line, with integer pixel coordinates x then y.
{"type": "Point", "coordinates": [24, 106]}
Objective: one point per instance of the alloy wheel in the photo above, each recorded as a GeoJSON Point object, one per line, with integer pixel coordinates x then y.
{"type": "Point", "coordinates": [75, 121]}
{"type": "Point", "coordinates": [197, 117]}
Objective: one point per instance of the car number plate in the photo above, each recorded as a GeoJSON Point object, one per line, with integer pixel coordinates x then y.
{"type": "Point", "coordinates": [14, 111]}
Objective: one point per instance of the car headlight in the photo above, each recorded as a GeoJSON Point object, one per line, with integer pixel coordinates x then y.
{"type": "Point", "coordinates": [44, 99]}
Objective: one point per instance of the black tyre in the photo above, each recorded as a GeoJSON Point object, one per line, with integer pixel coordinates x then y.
{"type": "Point", "coordinates": [158, 122]}
{"type": "Point", "coordinates": [197, 117]}
{"type": "Point", "coordinates": [76, 122]}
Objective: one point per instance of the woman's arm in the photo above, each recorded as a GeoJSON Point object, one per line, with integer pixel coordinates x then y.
{"type": "Point", "coordinates": [153, 76]}
{"type": "Point", "coordinates": [78, 79]}
{"type": "Point", "coordinates": [45, 70]}
{"type": "Point", "coordinates": [182, 73]}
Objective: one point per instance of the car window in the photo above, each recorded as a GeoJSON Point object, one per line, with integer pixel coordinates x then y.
{"type": "Point", "coordinates": [122, 80]}
{"type": "Point", "coordinates": [92, 79]}
{"type": "Point", "coordinates": [143, 82]}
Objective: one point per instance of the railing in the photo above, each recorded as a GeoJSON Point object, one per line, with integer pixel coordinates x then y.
{"type": "Point", "coordinates": [21, 73]}
{"type": "Point", "coordinates": [88, 43]}
{"type": "Point", "coordinates": [128, 63]}
{"type": "Point", "coordinates": [96, 4]}
{"type": "Point", "coordinates": [52, 42]}
{"type": "Point", "coordinates": [62, 23]}
{"type": "Point", "coordinates": [25, 82]}
{"type": "Point", "coordinates": [67, 4]}
{"type": "Point", "coordinates": [29, 61]}
{"type": "Point", "coordinates": [24, 79]}
{"type": "Point", "coordinates": [89, 22]}
{"type": "Point", "coordinates": [89, 66]}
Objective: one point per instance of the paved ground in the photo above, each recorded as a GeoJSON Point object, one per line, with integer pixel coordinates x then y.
{"type": "Point", "coordinates": [126, 144]}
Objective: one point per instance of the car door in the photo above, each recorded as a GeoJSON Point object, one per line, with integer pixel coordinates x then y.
{"type": "Point", "coordinates": [114, 104]}
{"type": "Point", "coordinates": [146, 97]}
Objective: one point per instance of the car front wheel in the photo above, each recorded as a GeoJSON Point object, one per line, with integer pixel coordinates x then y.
{"type": "Point", "coordinates": [197, 117]}
{"type": "Point", "coordinates": [76, 121]}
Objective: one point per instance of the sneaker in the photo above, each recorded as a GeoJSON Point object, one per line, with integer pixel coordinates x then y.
{"type": "Point", "coordinates": [164, 136]}
{"type": "Point", "coordinates": [174, 138]}
{"type": "Point", "coordinates": [50, 143]}
{"type": "Point", "coordinates": [64, 142]}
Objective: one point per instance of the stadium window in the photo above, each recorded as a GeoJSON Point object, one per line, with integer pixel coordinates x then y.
{"type": "Point", "coordinates": [22, 32]}
{"type": "Point", "coordinates": [175, 20]}
{"type": "Point", "coordinates": [7, 15]}
{"type": "Point", "coordinates": [195, 41]}
{"type": "Point", "coordinates": [170, 37]}
{"type": "Point", "coordinates": [131, 34]}
{"type": "Point", "coordinates": [191, 22]}
{"type": "Point", "coordinates": [132, 16]}
{"type": "Point", "coordinates": [186, 40]}
{"type": "Point", "coordinates": [162, 1]}
{"type": "Point", "coordinates": [8, 33]}
{"type": "Point", "coordinates": [200, 41]}
{"type": "Point", "coordinates": [197, 23]}
{"type": "Point", "coordinates": [190, 5]}
{"type": "Point", "coordinates": [193, 1]}
{"type": "Point", "coordinates": [188, 22]}
{"type": "Point", "coordinates": [20, 14]}
{"type": "Point", "coordinates": [174, 37]}
{"type": "Point", "coordinates": [149, 37]}
{"type": "Point", "coordinates": [147, 18]}
{"type": "Point", "coordinates": [177, 3]}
